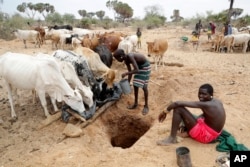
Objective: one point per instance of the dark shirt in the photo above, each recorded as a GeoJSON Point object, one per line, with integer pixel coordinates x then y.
{"type": "Point", "coordinates": [138, 33]}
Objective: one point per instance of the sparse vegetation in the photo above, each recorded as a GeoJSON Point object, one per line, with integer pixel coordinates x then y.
{"type": "Point", "coordinates": [123, 16]}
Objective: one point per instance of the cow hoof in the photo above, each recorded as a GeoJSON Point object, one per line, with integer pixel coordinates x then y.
{"type": "Point", "coordinates": [13, 119]}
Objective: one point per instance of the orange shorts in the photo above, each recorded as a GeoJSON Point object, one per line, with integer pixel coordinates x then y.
{"type": "Point", "coordinates": [203, 133]}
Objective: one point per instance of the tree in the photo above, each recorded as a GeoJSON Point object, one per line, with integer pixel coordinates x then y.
{"type": "Point", "coordinates": [176, 16]}
{"type": "Point", "coordinates": [154, 10]}
{"type": "Point", "coordinates": [230, 11]}
{"type": "Point", "coordinates": [54, 18]}
{"type": "Point", "coordinates": [100, 14]}
{"type": "Point", "coordinates": [124, 11]}
{"type": "Point", "coordinates": [23, 8]}
{"type": "Point", "coordinates": [121, 10]}
{"type": "Point", "coordinates": [153, 16]}
{"type": "Point", "coordinates": [31, 9]}
{"type": "Point", "coordinates": [111, 5]}
{"type": "Point", "coordinates": [90, 14]}
{"type": "Point", "coordinates": [235, 12]}
{"type": "Point", "coordinates": [44, 9]}
{"type": "Point", "coordinates": [82, 13]}
{"type": "Point", "coordinates": [219, 18]}
{"type": "Point", "coordinates": [68, 18]}
{"type": "Point", "coordinates": [243, 21]}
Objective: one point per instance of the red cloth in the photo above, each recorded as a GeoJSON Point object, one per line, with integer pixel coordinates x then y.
{"type": "Point", "coordinates": [203, 133]}
{"type": "Point", "coordinates": [213, 28]}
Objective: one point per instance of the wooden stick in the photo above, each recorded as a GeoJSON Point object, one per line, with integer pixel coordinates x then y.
{"type": "Point", "coordinates": [97, 114]}
{"type": "Point", "coordinates": [49, 120]}
{"type": "Point", "coordinates": [76, 115]}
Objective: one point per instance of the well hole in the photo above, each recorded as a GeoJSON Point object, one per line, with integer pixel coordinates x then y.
{"type": "Point", "coordinates": [127, 131]}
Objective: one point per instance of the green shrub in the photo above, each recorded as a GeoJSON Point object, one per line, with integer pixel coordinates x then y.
{"type": "Point", "coordinates": [9, 24]}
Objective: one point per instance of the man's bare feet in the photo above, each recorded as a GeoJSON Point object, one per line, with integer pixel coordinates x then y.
{"type": "Point", "coordinates": [167, 141]}
{"type": "Point", "coordinates": [132, 107]}
{"type": "Point", "coordinates": [183, 134]}
{"type": "Point", "coordinates": [145, 110]}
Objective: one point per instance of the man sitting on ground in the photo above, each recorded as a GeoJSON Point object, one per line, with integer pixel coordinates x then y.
{"type": "Point", "coordinates": [207, 127]}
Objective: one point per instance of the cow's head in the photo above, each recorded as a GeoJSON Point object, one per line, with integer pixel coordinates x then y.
{"type": "Point", "coordinates": [75, 101]}
{"type": "Point", "coordinates": [87, 95]}
{"type": "Point", "coordinates": [109, 78]}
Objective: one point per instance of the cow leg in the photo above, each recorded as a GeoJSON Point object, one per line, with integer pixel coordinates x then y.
{"type": "Point", "coordinates": [33, 96]}
{"type": "Point", "coordinates": [15, 95]}
{"type": "Point", "coordinates": [245, 45]}
{"type": "Point", "coordinates": [161, 60]}
{"type": "Point", "coordinates": [156, 62]}
{"type": "Point", "coordinates": [24, 41]}
{"type": "Point", "coordinates": [38, 42]}
{"type": "Point", "coordinates": [13, 113]}
{"type": "Point", "coordinates": [41, 95]}
{"type": "Point", "coordinates": [53, 101]}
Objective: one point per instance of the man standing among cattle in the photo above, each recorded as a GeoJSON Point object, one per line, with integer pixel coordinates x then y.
{"type": "Point", "coordinates": [141, 73]}
{"type": "Point", "coordinates": [198, 28]}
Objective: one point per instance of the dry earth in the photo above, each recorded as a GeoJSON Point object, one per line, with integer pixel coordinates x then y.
{"type": "Point", "coordinates": [126, 138]}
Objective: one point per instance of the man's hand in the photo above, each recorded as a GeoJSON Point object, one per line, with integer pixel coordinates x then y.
{"type": "Point", "coordinates": [162, 116]}
{"type": "Point", "coordinates": [171, 106]}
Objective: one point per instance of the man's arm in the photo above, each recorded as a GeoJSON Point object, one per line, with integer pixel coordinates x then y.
{"type": "Point", "coordinates": [192, 104]}
{"type": "Point", "coordinates": [134, 64]}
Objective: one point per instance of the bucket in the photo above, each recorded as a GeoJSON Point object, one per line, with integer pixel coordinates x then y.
{"type": "Point", "coordinates": [125, 86]}
{"type": "Point", "coordinates": [183, 157]}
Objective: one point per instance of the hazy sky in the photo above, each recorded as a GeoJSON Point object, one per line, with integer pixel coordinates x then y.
{"type": "Point", "coordinates": [188, 8]}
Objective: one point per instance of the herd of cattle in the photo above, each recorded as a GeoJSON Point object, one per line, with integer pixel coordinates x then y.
{"type": "Point", "coordinates": [78, 76]}
{"type": "Point", "coordinates": [238, 38]}
{"type": "Point", "coordinates": [79, 70]}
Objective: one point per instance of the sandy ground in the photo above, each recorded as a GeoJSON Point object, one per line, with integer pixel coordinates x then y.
{"type": "Point", "coordinates": [126, 138]}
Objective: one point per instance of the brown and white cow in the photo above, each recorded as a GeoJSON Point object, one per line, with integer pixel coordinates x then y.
{"type": "Point", "coordinates": [157, 50]}
{"type": "Point", "coordinates": [96, 65]}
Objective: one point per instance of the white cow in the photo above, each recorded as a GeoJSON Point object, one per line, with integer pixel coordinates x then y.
{"type": "Point", "coordinates": [82, 32]}
{"type": "Point", "coordinates": [42, 75]}
{"type": "Point", "coordinates": [28, 35]}
{"type": "Point", "coordinates": [241, 39]}
{"type": "Point", "coordinates": [126, 46]}
{"type": "Point", "coordinates": [230, 41]}
{"type": "Point", "coordinates": [72, 78]}
{"type": "Point", "coordinates": [133, 39]}
{"type": "Point", "coordinates": [82, 69]}
{"type": "Point", "coordinates": [245, 29]}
